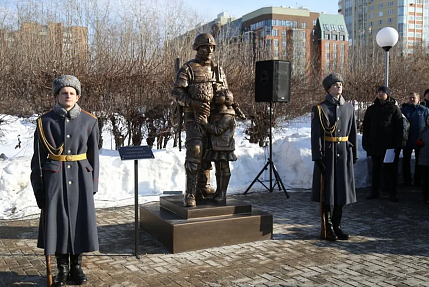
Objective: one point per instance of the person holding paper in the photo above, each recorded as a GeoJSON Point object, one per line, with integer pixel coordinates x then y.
{"type": "Point", "coordinates": [382, 132]}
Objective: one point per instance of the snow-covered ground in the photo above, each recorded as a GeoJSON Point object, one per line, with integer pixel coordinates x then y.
{"type": "Point", "coordinates": [291, 156]}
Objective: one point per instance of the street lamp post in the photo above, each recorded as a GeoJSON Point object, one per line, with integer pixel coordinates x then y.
{"type": "Point", "coordinates": [387, 38]}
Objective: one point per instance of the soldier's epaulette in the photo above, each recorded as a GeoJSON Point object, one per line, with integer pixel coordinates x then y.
{"type": "Point", "coordinates": [88, 113]}
{"type": "Point", "coordinates": [46, 113]}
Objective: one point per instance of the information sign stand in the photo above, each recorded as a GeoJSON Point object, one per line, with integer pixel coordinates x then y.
{"type": "Point", "coordinates": [135, 153]}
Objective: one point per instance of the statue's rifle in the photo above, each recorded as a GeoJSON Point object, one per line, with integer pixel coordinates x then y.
{"type": "Point", "coordinates": [179, 111]}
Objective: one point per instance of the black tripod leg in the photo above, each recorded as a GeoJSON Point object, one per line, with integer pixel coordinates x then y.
{"type": "Point", "coordinates": [257, 177]}
{"type": "Point", "coordinates": [279, 180]}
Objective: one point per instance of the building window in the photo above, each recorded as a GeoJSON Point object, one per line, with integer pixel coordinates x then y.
{"type": "Point", "coordinates": [341, 28]}
{"type": "Point", "coordinates": [276, 42]}
{"type": "Point", "coordinates": [380, 22]}
{"type": "Point", "coordinates": [419, 26]}
{"type": "Point", "coordinates": [314, 22]}
{"type": "Point", "coordinates": [334, 27]}
{"type": "Point", "coordinates": [334, 37]}
{"type": "Point", "coordinates": [303, 25]}
{"type": "Point", "coordinates": [380, 14]}
{"type": "Point", "coordinates": [371, 8]}
{"type": "Point", "coordinates": [410, 26]}
{"type": "Point", "coordinates": [326, 36]}
{"type": "Point", "coordinates": [275, 32]}
{"type": "Point", "coordinates": [390, 20]}
{"type": "Point", "coordinates": [342, 38]}
{"type": "Point", "coordinates": [371, 16]}
{"type": "Point", "coordinates": [380, 6]}
{"type": "Point", "coordinates": [390, 3]}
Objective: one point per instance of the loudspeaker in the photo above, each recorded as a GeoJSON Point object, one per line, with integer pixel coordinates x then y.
{"type": "Point", "coordinates": [272, 81]}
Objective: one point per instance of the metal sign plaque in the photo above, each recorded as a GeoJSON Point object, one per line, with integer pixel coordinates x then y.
{"type": "Point", "coordinates": [135, 152]}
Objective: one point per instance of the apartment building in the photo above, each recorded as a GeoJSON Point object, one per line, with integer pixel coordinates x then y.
{"type": "Point", "coordinates": [307, 39]}
{"type": "Point", "coordinates": [364, 18]}
{"type": "Point", "coordinates": [69, 43]}
{"type": "Point", "coordinates": [299, 35]}
{"type": "Point", "coordinates": [332, 43]}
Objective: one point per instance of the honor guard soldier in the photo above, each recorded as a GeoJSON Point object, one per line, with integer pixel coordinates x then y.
{"type": "Point", "coordinates": [64, 177]}
{"type": "Point", "coordinates": [334, 151]}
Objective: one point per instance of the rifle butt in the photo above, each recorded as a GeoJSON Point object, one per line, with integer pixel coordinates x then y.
{"type": "Point", "coordinates": [49, 278]}
{"type": "Point", "coordinates": [322, 214]}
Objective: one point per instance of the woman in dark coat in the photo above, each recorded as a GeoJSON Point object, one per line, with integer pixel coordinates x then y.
{"type": "Point", "coordinates": [334, 151]}
{"type": "Point", "coordinates": [66, 150]}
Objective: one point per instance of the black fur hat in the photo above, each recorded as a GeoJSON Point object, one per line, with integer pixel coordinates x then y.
{"type": "Point", "coordinates": [332, 79]}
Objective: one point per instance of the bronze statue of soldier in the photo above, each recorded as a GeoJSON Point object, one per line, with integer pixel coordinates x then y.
{"type": "Point", "coordinates": [196, 83]}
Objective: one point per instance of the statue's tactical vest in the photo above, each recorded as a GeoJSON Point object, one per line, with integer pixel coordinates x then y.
{"type": "Point", "coordinates": [203, 85]}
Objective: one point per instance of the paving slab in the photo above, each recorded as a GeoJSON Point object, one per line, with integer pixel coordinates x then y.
{"type": "Point", "coordinates": [389, 246]}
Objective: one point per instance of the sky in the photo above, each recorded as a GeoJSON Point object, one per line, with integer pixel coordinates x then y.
{"type": "Point", "coordinates": [210, 9]}
{"type": "Point", "coordinates": [291, 157]}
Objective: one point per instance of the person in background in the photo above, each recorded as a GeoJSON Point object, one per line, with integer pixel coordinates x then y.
{"type": "Point", "coordinates": [382, 130]}
{"type": "Point", "coordinates": [423, 143]}
{"type": "Point", "coordinates": [416, 115]}
{"type": "Point", "coordinates": [425, 100]}
{"type": "Point", "coordinates": [64, 177]}
{"type": "Point", "coordinates": [334, 151]}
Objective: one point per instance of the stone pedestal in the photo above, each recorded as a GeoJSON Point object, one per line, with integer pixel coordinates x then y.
{"type": "Point", "coordinates": [207, 225]}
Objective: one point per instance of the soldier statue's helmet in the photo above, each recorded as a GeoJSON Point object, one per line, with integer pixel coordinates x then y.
{"type": "Point", "coordinates": [204, 39]}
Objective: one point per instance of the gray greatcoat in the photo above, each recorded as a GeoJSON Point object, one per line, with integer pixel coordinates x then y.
{"type": "Point", "coordinates": [338, 157]}
{"type": "Point", "coordinates": [69, 185]}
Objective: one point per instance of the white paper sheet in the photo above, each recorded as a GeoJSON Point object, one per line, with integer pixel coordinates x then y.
{"type": "Point", "coordinates": [389, 157]}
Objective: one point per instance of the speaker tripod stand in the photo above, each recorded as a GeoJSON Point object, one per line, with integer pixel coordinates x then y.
{"type": "Point", "coordinates": [270, 164]}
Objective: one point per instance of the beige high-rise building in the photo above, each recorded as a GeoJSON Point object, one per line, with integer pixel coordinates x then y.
{"type": "Point", "coordinates": [69, 43]}
{"type": "Point", "coordinates": [364, 18]}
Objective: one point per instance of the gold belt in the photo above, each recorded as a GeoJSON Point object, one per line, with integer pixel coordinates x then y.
{"type": "Point", "coordinates": [337, 139]}
{"type": "Point", "coordinates": [74, 157]}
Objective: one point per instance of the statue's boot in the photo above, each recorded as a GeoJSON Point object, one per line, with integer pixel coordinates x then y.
{"type": "Point", "coordinates": [189, 198]}
{"type": "Point", "coordinates": [204, 189]}
{"type": "Point", "coordinates": [223, 181]}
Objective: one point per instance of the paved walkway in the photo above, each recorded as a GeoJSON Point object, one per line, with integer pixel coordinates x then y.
{"type": "Point", "coordinates": [389, 247]}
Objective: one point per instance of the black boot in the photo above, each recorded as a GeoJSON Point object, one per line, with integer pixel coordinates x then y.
{"type": "Point", "coordinates": [336, 222]}
{"type": "Point", "coordinates": [76, 274]}
{"type": "Point", "coordinates": [191, 185]}
{"type": "Point", "coordinates": [330, 234]}
{"type": "Point", "coordinates": [63, 269]}
{"type": "Point", "coordinates": [223, 186]}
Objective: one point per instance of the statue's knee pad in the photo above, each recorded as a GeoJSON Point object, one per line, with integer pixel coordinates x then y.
{"type": "Point", "coordinates": [194, 150]}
